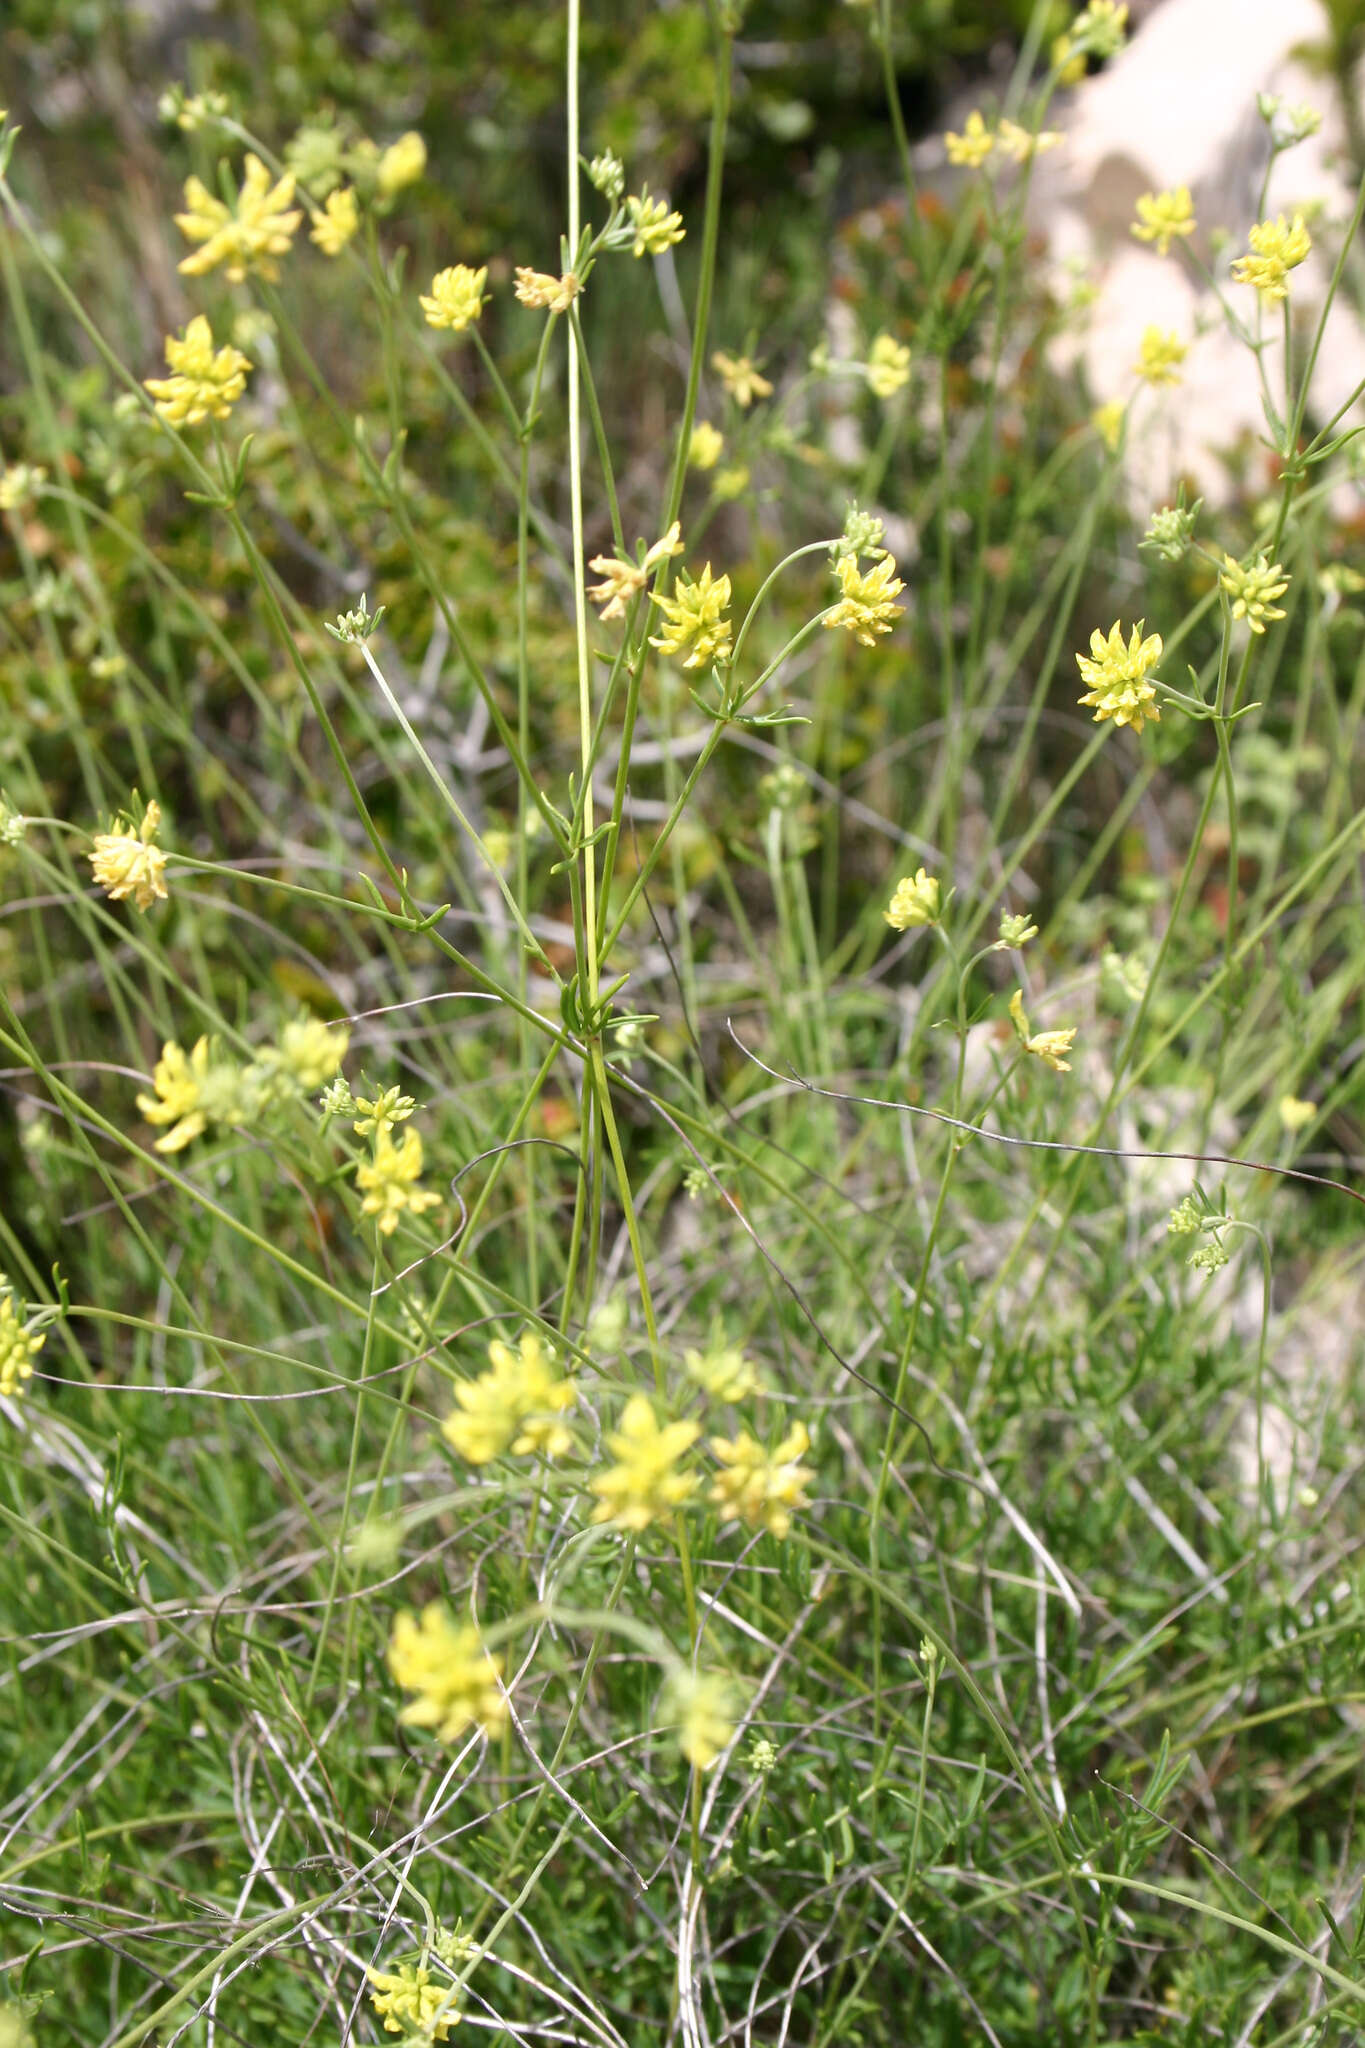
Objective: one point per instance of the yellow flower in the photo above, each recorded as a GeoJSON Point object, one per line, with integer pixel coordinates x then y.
{"type": "Point", "coordinates": [888, 366]}
{"type": "Point", "coordinates": [656, 229]}
{"type": "Point", "coordinates": [1117, 676]}
{"type": "Point", "coordinates": [621, 580]}
{"type": "Point", "coordinates": [700, 1707]}
{"type": "Point", "coordinates": [1164, 215]}
{"type": "Point", "coordinates": [1101, 26]}
{"type": "Point", "coordinates": [1294, 1114]}
{"type": "Point", "coordinates": [381, 1112]}
{"type": "Point", "coordinates": [644, 1485]}
{"type": "Point", "coordinates": [695, 626]}
{"type": "Point", "coordinates": [973, 146]}
{"type": "Point", "coordinates": [759, 1488]}
{"type": "Point", "coordinates": [1276, 249]}
{"type": "Point", "coordinates": [128, 863]}
{"type": "Point", "coordinates": [337, 222]}
{"type": "Point", "coordinates": [402, 163]}
{"type": "Point", "coordinates": [19, 1346]}
{"type": "Point", "coordinates": [550, 294]}
{"type": "Point", "coordinates": [722, 1370]}
{"type": "Point", "coordinates": [732, 482]}
{"type": "Point", "coordinates": [409, 2003]}
{"type": "Point", "coordinates": [866, 607]}
{"type": "Point", "coordinates": [1069, 61]}
{"type": "Point", "coordinates": [740, 377]}
{"type": "Point", "coordinates": [516, 1403]}
{"type": "Point", "coordinates": [391, 1181]}
{"type": "Point", "coordinates": [1253, 589]}
{"type": "Point", "coordinates": [914, 902]}
{"type": "Point", "coordinates": [309, 1051]}
{"type": "Point", "coordinates": [1047, 1046]}
{"type": "Point", "coordinates": [454, 1677]}
{"type": "Point", "coordinates": [179, 1079]}
{"type": "Point", "coordinates": [1020, 144]}
{"type": "Point", "coordinates": [704, 448]}
{"type": "Point", "coordinates": [206, 384]}
{"type": "Point", "coordinates": [20, 480]}
{"type": "Point", "coordinates": [245, 237]}
{"type": "Point", "coordinates": [1159, 357]}
{"type": "Point", "coordinates": [1107, 420]}
{"type": "Point", "coordinates": [456, 297]}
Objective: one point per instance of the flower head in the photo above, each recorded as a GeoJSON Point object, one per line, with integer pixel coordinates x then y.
{"type": "Point", "coordinates": [207, 381]}
{"type": "Point", "coordinates": [128, 862]}
{"type": "Point", "coordinates": [190, 1091]}
{"type": "Point", "coordinates": [391, 1181]}
{"type": "Point", "coordinates": [1069, 61]}
{"type": "Point", "coordinates": [456, 297]}
{"type": "Point", "coordinates": [973, 146]}
{"type": "Point", "coordinates": [1276, 249]}
{"type": "Point", "coordinates": [337, 222]}
{"type": "Point", "coordinates": [888, 366]}
{"type": "Point", "coordinates": [704, 448]}
{"type": "Point", "coordinates": [695, 623]}
{"type": "Point", "coordinates": [722, 1371]}
{"type": "Point", "coordinates": [18, 481]}
{"type": "Point", "coordinates": [245, 237]}
{"type": "Point", "coordinates": [1253, 589]}
{"type": "Point", "coordinates": [1016, 929]}
{"type": "Point", "coordinates": [402, 163]}
{"type": "Point", "coordinates": [1117, 677]}
{"type": "Point", "coordinates": [701, 1707]}
{"type": "Point", "coordinates": [656, 229]}
{"type": "Point", "coordinates": [316, 155]}
{"type": "Point", "coordinates": [621, 580]}
{"type": "Point", "coordinates": [1170, 531]}
{"type": "Point", "coordinates": [914, 902]}
{"type": "Point", "coordinates": [516, 1404]}
{"type": "Point", "coordinates": [607, 175]}
{"type": "Point", "coordinates": [866, 607]}
{"type": "Point", "coordinates": [383, 1111]}
{"type": "Point", "coordinates": [1294, 1113]}
{"type": "Point", "coordinates": [550, 294]}
{"type": "Point", "coordinates": [1101, 27]}
{"type": "Point", "coordinates": [454, 1677]}
{"type": "Point", "coordinates": [1107, 420]}
{"type": "Point", "coordinates": [759, 1487]}
{"type": "Point", "coordinates": [1020, 145]}
{"type": "Point", "coordinates": [309, 1052]}
{"type": "Point", "coordinates": [1162, 216]}
{"type": "Point", "coordinates": [645, 1484]}
{"type": "Point", "coordinates": [19, 1346]}
{"type": "Point", "coordinates": [1048, 1046]}
{"type": "Point", "coordinates": [1159, 357]}
{"type": "Point", "coordinates": [408, 2002]}
{"type": "Point", "coordinates": [740, 377]}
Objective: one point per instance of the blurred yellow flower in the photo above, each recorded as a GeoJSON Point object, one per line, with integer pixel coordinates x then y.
{"type": "Point", "coordinates": [454, 1677]}
{"type": "Point", "coordinates": [1276, 249]}
{"type": "Point", "coordinates": [1047, 1046]}
{"type": "Point", "coordinates": [704, 448]}
{"type": "Point", "coordinates": [722, 1371]}
{"type": "Point", "coordinates": [1107, 420]}
{"type": "Point", "coordinates": [1159, 357]}
{"type": "Point", "coordinates": [1295, 1112]}
{"type": "Point", "coordinates": [973, 146]}
{"type": "Point", "coordinates": [456, 297]}
{"type": "Point", "coordinates": [1117, 677]}
{"type": "Point", "coordinates": [127, 862]}
{"type": "Point", "coordinates": [645, 1484]}
{"type": "Point", "coordinates": [888, 366]}
{"type": "Point", "coordinates": [309, 1051]}
{"type": "Point", "coordinates": [337, 222]}
{"type": "Point", "coordinates": [516, 1404]}
{"type": "Point", "coordinates": [179, 1080]}
{"type": "Point", "coordinates": [740, 377]}
{"type": "Point", "coordinates": [18, 481]}
{"type": "Point", "coordinates": [408, 2002]}
{"type": "Point", "coordinates": [1164, 215]}
{"type": "Point", "coordinates": [245, 237]}
{"type": "Point", "coordinates": [700, 1707]}
{"type": "Point", "coordinates": [695, 625]}
{"type": "Point", "coordinates": [402, 163]}
{"type": "Point", "coordinates": [1021, 144]}
{"type": "Point", "coordinates": [866, 608]}
{"type": "Point", "coordinates": [207, 382]}
{"type": "Point", "coordinates": [19, 1346]}
{"type": "Point", "coordinates": [914, 902]}
{"type": "Point", "coordinates": [391, 1181]}
{"type": "Point", "coordinates": [758, 1487]}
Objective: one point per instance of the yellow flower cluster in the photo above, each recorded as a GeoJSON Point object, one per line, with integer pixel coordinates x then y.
{"type": "Point", "coordinates": [1277, 248]}
{"type": "Point", "coordinates": [18, 481]}
{"type": "Point", "coordinates": [245, 237]}
{"type": "Point", "coordinates": [759, 1487]}
{"type": "Point", "coordinates": [1253, 590]}
{"type": "Point", "coordinates": [621, 580]}
{"type": "Point", "coordinates": [977, 142]}
{"type": "Point", "coordinates": [1162, 216]}
{"type": "Point", "coordinates": [408, 2002]}
{"type": "Point", "coordinates": [704, 448]}
{"type": "Point", "coordinates": [866, 607]}
{"type": "Point", "coordinates": [741, 378]}
{"type": "Point", "coordinates": [192, 1090]}
{"type": "Point", "coordinates": [549, 294]}
{"type": "Point", "coordinates": [656, 229]}
{"type": "Point", "coordinates": [127, 862]}
{"type": "Point", "coordinates": [1107, 420]}
{"type": "Point", "coordinates": [1117, 678]}
{"type": "Point", "coordinates": [645, 1484]}
{"type": "Point", "coordinates": [19, 1346]}
{"type": "Point", "coordinates": [700, 1707]}
{"type": "Point", "coordinates": [1048, 1046]}
{"type": "Point", "coordinates": [401, 164]}
{"type": "Point", "coordinates": [206, 382]}
{"type": "Point", "coordinates": [888, 366]}
{"type": "Point", "coordinates": [914, 902]}
{"type": "Point", "coordinates": [309, 1052]}
{"type": "Point", "coordinates": [722, 1371]}
{"type": "Point", "coordinates": [695, 623]}
{"type": "Point", "coordinates": [454, 1677]}
{"type": "Point", "coordinates": [1159, 357]}
{"type": "Point", "coordinates": [338, 221]}
{"type": "Point", "coordinates": [456, 297]}
{"type": "Point", "coordinates": [516, 1405]}
{"type": "Point", "coordinates": [391, 1181]}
